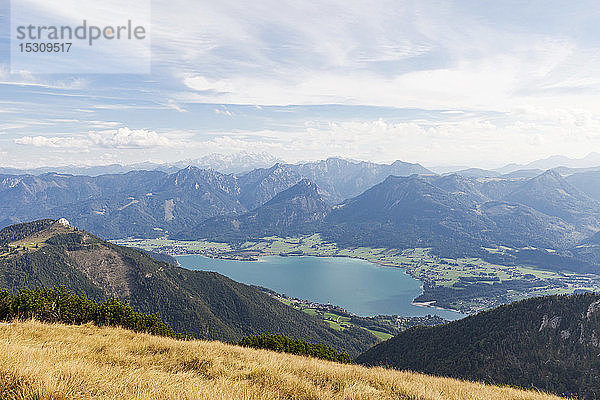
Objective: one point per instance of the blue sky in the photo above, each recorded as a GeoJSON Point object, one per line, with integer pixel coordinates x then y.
{"type": "Point", "coordinates": [441, 83]}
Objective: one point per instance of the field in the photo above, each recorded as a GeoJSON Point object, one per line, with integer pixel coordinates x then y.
{"type": "Point", "coordinates": [472, 284]}
{"type": "Point", "coordinates": [40, 361]}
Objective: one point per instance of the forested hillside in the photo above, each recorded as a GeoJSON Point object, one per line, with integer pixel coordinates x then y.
{"type": "Point", "coordinates": [550, 343]}
{"type": "Point", "coordinates": [203, 304]}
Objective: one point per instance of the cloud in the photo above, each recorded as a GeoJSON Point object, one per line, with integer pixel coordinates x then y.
{"type": "Point", "coordinates": [409, 54]}
{"type": "Point", "coordinates": [172, 104]}
{"type": "Point", "coordinates": [127, 138]}
{"type": "Point", "coordinates": [202, 84]}
{"type": "Point", "coordinates": [493, 82]}
{"type": "Point", "coordinates": [24, 78]}
{"type": "Point", "coordinates": [515, 85]}
{"type": "Point", "coordinates": [473, 139]}
{"type": "Point", "coordinates": [223, 111]}
{"type": "Point", "coordinates": [53, 142]}
{"type": "Point", "coordinates": [122, 138]}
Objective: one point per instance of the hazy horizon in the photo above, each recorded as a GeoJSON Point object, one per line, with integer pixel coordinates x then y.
{"type": "Point", "coordinates": [261, 160]}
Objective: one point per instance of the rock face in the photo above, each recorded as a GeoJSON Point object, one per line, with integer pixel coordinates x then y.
{"type": "Point", "coordinates": [261, 185]}
{"type": "Point", "coordinates": [550, 342]}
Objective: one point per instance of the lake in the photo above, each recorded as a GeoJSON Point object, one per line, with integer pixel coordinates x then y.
{"type": "Point", "coordinates": [359, 286]}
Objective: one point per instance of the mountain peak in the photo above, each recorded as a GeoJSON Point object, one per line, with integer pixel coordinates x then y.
{"type": "Point", "coordinates": [303, 188]}
{"type": "Point", "coordinates": [551, 194]}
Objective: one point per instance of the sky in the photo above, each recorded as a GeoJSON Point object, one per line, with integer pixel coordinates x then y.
{"type": "Point", "coordinates": [465, 82]}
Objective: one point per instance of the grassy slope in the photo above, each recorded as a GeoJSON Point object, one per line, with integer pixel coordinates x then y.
{"type": "Point", "coordinates": [39, 361]}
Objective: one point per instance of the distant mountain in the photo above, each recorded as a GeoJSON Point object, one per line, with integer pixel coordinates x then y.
{"type": "Point", "coordinates": [340, 179]}
{"type": "Point", "coordinates": [586, 182]}
{"type": "Point", "coordinates": [208, 305]}
{"type": "Point", "coordinates": [462, 186]}
{"type": "Point", "coordinates": [549, 343]}
{"type": "Point", "coordinates": [154, 203]}
{"type": "Point", "coordinates": [591, 160]}
{"type": "Point", "coordinates": [225, 163]}
{"type": "Point", "coordinates": [400, 213]}
{"type": "Point", "coordinates": [523, 173]}
{"type": "Point", "coordinates": [139, 203]}
{"type": "Point", "coordinates": [551, 194]}
{"type": "Point", "coordinates": [294, 211]}
{"type": "Point", "coordinates": [235, 163]}
{"type": "Point", "coordinates": [454, 213]}
{"type": "Point", "coordinates": [476, 173]}
{"type": "Point", "coordinates": [447, 169]}
{"type": "Point", "coordinates": [261, 185]}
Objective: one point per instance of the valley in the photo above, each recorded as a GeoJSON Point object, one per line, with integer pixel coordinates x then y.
{"type": "Point", "coordinates": [468, 285]}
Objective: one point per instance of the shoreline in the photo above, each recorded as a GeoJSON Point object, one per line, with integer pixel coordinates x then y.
{"type": "Point", "coordinates": [428, 304]}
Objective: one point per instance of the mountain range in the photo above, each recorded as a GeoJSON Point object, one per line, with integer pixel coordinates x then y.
{"type": "Point", "coordinates": [225, 163]}
{"type": "Point", "coordinates": [544, 220]}
{"type": "Point", "coordinates": [398, 205]}
{"type": "Point", "coordinates": [153, 203]}
{"type": "Point", "coordinates": [458, 220]}
{"type": "Point", "coordinates": [590, 161]}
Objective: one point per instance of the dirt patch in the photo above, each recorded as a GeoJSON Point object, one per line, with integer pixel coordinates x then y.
{"type": "Point", "coordinates": [105, 268]}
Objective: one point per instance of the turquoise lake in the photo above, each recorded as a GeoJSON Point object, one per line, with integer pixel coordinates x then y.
{"type": "Point", "coordinates": [359, 286]}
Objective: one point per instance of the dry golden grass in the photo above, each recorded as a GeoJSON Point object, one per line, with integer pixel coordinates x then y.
{"type": "Point", "coordinates": [41, 361]}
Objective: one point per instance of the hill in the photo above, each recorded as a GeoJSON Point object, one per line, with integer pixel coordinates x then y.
{"type": "Point", "coordinates": [261, 185]}
{"type": "Point", "coordinates": [550, 343]}
{"type": "Point", "coordinates": [551, 194]}
{"type": "Point", "coordinates": [203, 304]}
{"type": "Point", "coordinates": [57, 361]}
{"type": "Point", "coordinates": [453, 218]}
{"type": "Point", "coordinates": [587, 182]}
{"type": "Point", "coordinates": [296, 210]}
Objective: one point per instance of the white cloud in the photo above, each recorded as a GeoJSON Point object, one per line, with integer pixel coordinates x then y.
{"type": "Point", "coordinates": [223, 111]}
{"type": "Point", "coordinates": [202, 84]}
{"type": "Point", "coordinates": [127, 138]}
{"type": "Point", "coordinates": [480, 141]}
{"type": "Point", "coordinates": [56, 142]}
{"type": "Point", "coordinates": [24, 78]}
{"type": "Point", "coordinates": [494, 82]}
{"type": "Point", "coordinates": [122, 138]}
{"type": "Point", "coordinates": [409, 54]}
{"type": "Point", "coordinates": [175, 106]}
{"type": "Point", "coordinates": [536, 77]}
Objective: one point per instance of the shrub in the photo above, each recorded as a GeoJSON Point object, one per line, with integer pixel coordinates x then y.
{"type": "Point", "coordinates": [64, 306]}
{"type": "Point", "coordinates": [284, 344]}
